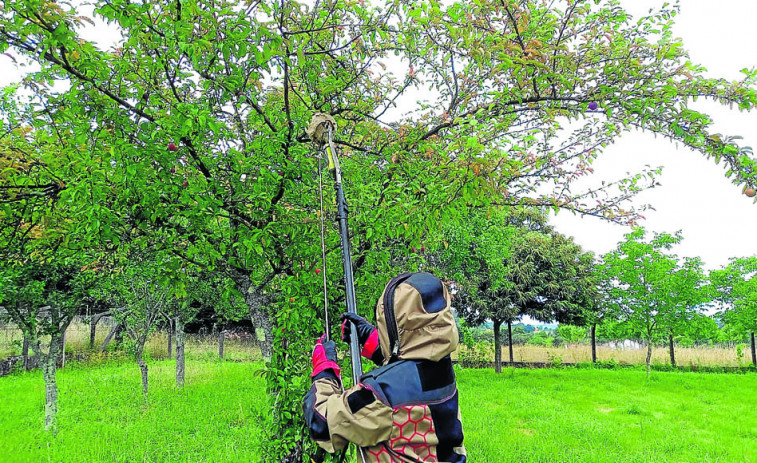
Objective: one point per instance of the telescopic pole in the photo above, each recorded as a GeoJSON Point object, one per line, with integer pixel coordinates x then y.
{"type": "Point", "coordinates": [342, 214]}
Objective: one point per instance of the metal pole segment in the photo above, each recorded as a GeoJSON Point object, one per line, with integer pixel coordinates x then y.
{"type": "Point", "coordinates": [323, 252]}
{"type": "Point", "coordinates": [342, 213]}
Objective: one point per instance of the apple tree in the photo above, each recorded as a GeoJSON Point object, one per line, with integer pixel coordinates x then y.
{"type": "Point", "coordinates": [190, 129]}
{"type": "Point", "coordinates": [686, 295]}
{"type": "Point", "coordinates": [44, 282]}
{"type": "Point", "coordinates": [735, 289]}
{"type": "Point", "coordinates": [139, 300]}
{"type": "Point", "coordinates": [652, 294]}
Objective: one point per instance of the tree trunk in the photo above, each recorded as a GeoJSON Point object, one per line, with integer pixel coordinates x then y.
{"type": "Point", "coordinates": [170, 338]}
{"type": "Point", "coordinates": [497, 347]}
{"type": "Point", "coordinates": [51, 394]}
{"type": "Point", "coordinates": [179, 328]}
{"type": "Point", "coordinates": [25, 352]}
{"type": "Point", "coordinates": [649, 358]}
{"type": "Point", "coordinates": [119, 335]}
{"type": "Point", "coordinates": [93, 328]}
{"type": "Point", "coordinates": [754, 352]}
{"type": "Point", "coordinates": [594, 343]}
{"type": "Point", "coordinates": [256, 304]}
{"type": "Point", "coordinates": [92, 332]}
{"type": "Point", "coordinates": [672, 351]}
{"type": "Point", "coordinates": [63, 349]}
{"type": "Point", "coordinates": [260, 319]}
{"type": "Point", "coordinates": [221, 336]}
{"type": "Point", "coordinates": [110, 336]}
{"type": "Point", "coordinates": [510, 340]}
{"type": "Point", "coordinates": [51, 387]}
{"type": "Point", "coordinates": [143, 369]}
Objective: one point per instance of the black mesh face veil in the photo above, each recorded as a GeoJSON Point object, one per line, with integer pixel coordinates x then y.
{"type": "Point", "coordinates": [389, 316]}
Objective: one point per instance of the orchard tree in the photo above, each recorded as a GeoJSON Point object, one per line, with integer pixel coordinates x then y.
{"type": "Point", "coordinates": [42, 298]}
{"type": "Point", "coordinates": [140, 300]}
{"type": "Point", "coordinates": [191, 128]}
{"type": "Point", "coordinates": [44, 283]}
{"type": "Point", "coordinates": [735, 288]}
{"type": "Point", "coordinates": [651, 293]}
{"type": "Point", "coordinates": [511, 265]}
{"type": "Point", "coordinates": [685, 294]}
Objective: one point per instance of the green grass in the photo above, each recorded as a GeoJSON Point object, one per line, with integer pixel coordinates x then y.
{"type": "Point", "coordinates": [555, 415]}
{"type": "Point", "coordinates": [103, 416]}
{"type": "Point", "coordinates": [573, 415]}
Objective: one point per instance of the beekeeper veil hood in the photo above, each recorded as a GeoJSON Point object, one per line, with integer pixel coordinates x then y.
{"type": "Point", "coordinates": [415, 320]}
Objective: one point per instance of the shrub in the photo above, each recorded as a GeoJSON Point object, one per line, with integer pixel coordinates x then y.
{"type": "Point", "coordinates": [554, 359]}
{"type": "Point", "coordinates": [480, 355]}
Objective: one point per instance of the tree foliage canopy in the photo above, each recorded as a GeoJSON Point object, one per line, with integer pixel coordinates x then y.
{"type": "Point", "coordinates": [735, 288]}
{"type": "Point", "coordinates": [187, 136]}
{"type": "Point", "coordinates": [513, 264]}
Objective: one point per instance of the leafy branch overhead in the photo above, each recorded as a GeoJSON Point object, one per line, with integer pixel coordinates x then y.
{"type": "Point", "coordinates": [185, 139]}
{"type": "Point", "coordinates": [517, 95]}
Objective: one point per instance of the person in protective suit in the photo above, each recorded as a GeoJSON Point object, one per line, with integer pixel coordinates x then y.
{"type": "Point", "coordinates": [407, 409]}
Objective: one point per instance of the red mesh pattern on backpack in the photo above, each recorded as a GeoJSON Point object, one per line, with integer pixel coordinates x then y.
{"type": "Point", "coordinates": [415, 428]}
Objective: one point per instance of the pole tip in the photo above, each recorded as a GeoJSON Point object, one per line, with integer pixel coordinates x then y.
{"type": "Point", "coordinates": [318, 129]}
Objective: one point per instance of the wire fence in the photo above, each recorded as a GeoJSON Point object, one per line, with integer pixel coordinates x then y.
{"type": "Point", "coordinates": [83, 344]}
{"type": "Point", "coordinates": [82, 340]}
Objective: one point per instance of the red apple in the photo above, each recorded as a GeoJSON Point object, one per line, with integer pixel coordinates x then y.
{"type": "Point", "coordinates": [172, 147]}
{"type": "Point", "coordinates": [750, 192]}
{"type": "Point", "coordinates": [317, 271]}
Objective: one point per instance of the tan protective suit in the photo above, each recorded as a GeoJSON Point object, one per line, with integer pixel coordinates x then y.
{"type": "Point", "coordinates": [406, 410]}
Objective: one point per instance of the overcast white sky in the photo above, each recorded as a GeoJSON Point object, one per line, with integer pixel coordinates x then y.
{"type": "Point", "coordinates": [717, 220]}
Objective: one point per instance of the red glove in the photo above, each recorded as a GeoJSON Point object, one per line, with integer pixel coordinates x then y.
{"type": "Point", "coordinates": [324, 357]}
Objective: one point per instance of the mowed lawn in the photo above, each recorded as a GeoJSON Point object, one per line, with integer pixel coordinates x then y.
{"type": "Point", "coordinates": [586, 415]}
{"type": "Point", "coordinates": [557, 415]}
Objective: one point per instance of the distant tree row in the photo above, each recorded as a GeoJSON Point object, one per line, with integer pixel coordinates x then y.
{"type": "Point", "coordinates": [710, 333]}
{"type": "Point", "coordinates": [508, 264]}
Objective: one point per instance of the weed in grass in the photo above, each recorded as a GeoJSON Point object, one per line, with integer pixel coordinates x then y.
{"type": "Point", "coordinates": [634, 409]}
